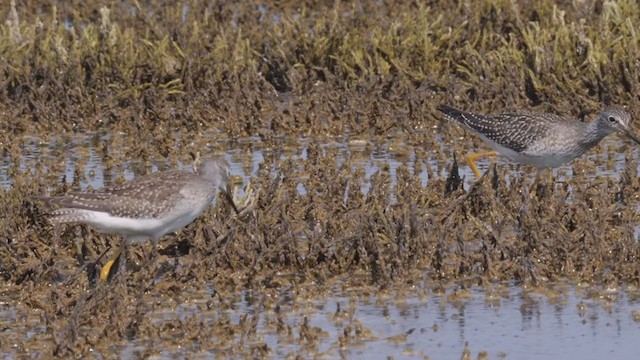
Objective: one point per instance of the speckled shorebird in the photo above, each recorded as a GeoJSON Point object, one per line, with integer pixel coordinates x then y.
{"type": "Point", "coordinates": [145, 208]}
{"type": "Point", "coordinates": [541, 140]}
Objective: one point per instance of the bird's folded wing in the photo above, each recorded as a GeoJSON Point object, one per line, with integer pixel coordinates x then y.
{"type": "Point", "coordinates": [126, 201]}
{"type": "Point", "coordinates": [515, 131]}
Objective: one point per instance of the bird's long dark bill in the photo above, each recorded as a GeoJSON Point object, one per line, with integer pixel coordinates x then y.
{"type": "Point", "coordinates": [633, 136]}
{"type": "Point", "coordinates": [229, 196]}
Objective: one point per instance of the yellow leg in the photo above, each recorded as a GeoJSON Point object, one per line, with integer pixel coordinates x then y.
{"type": "Point", "coordinates": [471, 160]}
{"type": "Point", "coordinates": [106, 269]}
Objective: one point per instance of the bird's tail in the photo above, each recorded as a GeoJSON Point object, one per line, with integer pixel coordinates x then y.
{"type": "Point", "coordinates": [59, 215]}
{"type": "Point", "coordinates": [49, 201]}
{"type": "Point", "coordinates": [452, 113]}
{"type": "Point", "coordinates": [68, 216]}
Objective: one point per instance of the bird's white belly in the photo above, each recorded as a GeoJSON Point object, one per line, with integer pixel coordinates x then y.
{"type": "Point", "coordinates": [141, 229]}
{"type": "Point", "coordinates": [176, 222]}
{"type": "Point", "coordinates": [181, 217]}
{"type": "Point", "coordinates": [109, 224]}
{"type": "Point", "coordinates": [550, 158]}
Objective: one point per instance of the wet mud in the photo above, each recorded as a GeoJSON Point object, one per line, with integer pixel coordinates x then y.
{"type": "Point", "coordinates": [164, 81]}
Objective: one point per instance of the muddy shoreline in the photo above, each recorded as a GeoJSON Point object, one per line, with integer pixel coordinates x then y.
{"type": "Point", "coordinates": [151, 85]}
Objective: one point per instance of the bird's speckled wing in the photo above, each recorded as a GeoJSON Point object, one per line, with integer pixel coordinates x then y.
{"type": "Point", "coordinates": [144, 197]}
{"type": "Point", "coordinates": [515, 131]}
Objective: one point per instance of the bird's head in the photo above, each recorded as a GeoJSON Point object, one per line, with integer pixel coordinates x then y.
{"type": "Point", "coordinates": [616, 119]}
{"type": "Point", "coordinates": [217, 171]}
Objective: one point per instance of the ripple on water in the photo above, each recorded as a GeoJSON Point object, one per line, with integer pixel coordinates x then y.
{"type": "Point", "coordinates": [566, 320]}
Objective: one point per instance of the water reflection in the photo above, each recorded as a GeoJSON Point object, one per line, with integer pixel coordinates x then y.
{"type": "Point", "coordinates": [246, 155]}
{"type": "Point", "coordinates": [518, 324]}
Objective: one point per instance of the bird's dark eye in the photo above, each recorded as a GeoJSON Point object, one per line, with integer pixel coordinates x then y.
{"type": "Point", "coordinates": [612, 119]}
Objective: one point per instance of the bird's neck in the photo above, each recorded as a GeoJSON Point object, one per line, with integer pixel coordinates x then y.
{"type": "Point", "coordinates": [593, 133]}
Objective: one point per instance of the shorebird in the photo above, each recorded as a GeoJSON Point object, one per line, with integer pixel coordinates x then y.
{"type": "Point", "coordinates": [145, 208]}
{"type": "Point", "coordinates": [541, 140]}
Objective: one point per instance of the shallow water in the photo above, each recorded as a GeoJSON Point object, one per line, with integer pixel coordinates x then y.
{"type": "Point", "coordinates": [505, 322]}
{"type": "Point", "coordinates": [514, 325]}
{"type": "Point", "coordinates": [370, 155]}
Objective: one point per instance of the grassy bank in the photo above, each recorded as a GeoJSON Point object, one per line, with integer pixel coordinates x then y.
{"type": "Point", "coordinates": [256, 69]}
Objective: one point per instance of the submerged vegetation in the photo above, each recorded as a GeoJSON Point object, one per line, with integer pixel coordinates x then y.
{"type": "Point", "coordinates": [167, 79]}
